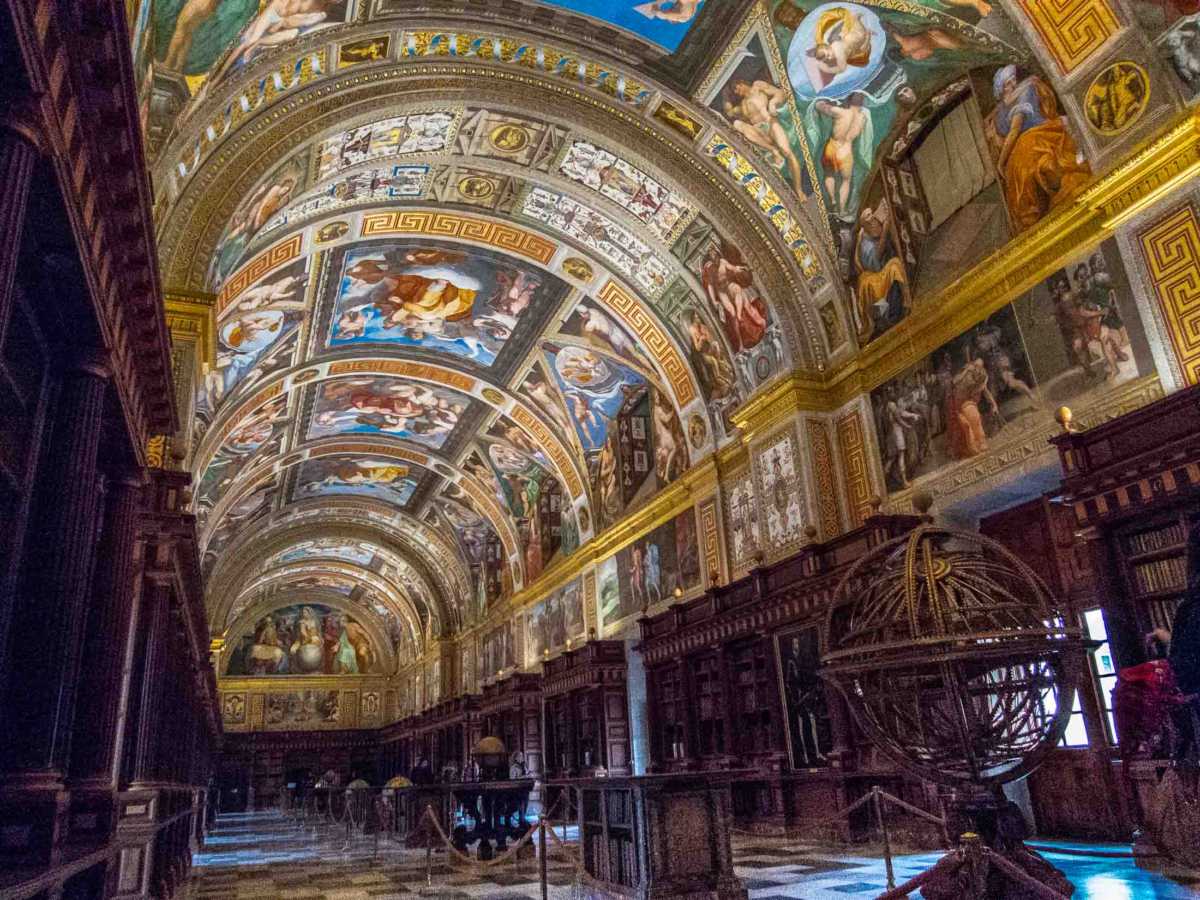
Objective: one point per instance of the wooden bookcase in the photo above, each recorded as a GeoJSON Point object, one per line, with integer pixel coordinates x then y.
{"type": "Point", "coordinates": [1152, 556]}
{"type": "Point", "coordinates": [1111, 539]}
{"type": "Point", "coordinates": [726, 672]}
{"type": "Point", "coordinates": [511, 709]}
{"type": "Point", "coordinates": [585, 723]}
{"type": "Point", "coordinates": [608, 835]}
{"type": "Point", "coordinates": [755, 696]}
{"type": "Point", "coordinates": [1133, 486]}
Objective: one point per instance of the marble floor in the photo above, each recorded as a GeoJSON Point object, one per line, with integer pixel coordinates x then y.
{"type": "Point", "coordinates": [266, 855]}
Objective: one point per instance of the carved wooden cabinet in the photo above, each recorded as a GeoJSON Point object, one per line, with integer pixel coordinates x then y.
{"type": "Point", "coordinates": [586, 717]}
{"type": "Point", "coordinates": [1133, 487]}
{"type": "Point", "coordinates": [511, 709]}
{"type": "Point", "coordinates": [1111, 542]}
{"type": "Point", "coordinates": [443, 732]}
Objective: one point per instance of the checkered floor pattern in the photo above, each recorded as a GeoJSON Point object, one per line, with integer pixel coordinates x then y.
{"type": "Point", "coordinates": [265, 855]}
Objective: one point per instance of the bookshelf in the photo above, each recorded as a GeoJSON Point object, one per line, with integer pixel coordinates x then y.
{"type": "Point", "coordinates": [710, 709]}
{"type": "Point", "coordinates": [511, 709]}
{"type": "Point", "coordinates": [668, 724]}
{"type": "Point", "coordinates": [715, 687]}
{"type": "Point", "coordinates": [1153, 562]}
{"type": "Point", "coordinates": [608, 836]}
{"type": "Point", "coordinates": [586, 718]}
{"type": "Point", "coordinates": [755, 698]}
{"type": "Point", "coordinates": [1132, 486]}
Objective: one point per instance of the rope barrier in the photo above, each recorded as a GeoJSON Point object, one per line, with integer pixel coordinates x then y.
{"type": "Point", "coordinates": [952, 860]}
{"type": "Point", "coordinates": [915, 810]}
{"type": "Point", "coordinates": [818, 823]}
{"type": "Point", "coordinates": [1016, 873]}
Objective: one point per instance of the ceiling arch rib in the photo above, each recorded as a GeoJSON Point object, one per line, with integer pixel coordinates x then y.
{"type": "Point", "coordinates": [430, 553]}
{"type": "Point", "coordinates": [193, 229]}
{"type": "Point", "coordinates": [522, 57]}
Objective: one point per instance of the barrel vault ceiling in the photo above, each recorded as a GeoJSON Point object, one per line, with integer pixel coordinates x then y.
{"type": "Point", "coordinates": [459, 254]}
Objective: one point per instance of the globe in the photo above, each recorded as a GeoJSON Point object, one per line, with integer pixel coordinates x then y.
{"type": "Point", "coordinates": [953, 657]}
{"type": "Point", "coordinates": [309, 658]}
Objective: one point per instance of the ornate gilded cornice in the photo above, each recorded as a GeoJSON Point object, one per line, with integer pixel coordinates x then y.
{"type": "Point", "coordinates": [799, 392]}
{"type": "Point", "coordinates": [190, 317]}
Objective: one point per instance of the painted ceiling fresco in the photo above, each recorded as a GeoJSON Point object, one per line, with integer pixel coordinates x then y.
{"type": "Point", "coordinates": [495, 304]}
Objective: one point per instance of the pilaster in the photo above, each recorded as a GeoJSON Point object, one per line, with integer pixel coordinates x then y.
{"type": "Point", "coordinates": [18, 154]}
{"type": "Point", "coordinates": [92, 776]}
{"type": "Point", "coordinates": [49, 616]}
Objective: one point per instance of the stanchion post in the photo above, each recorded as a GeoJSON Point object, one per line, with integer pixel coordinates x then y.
{"type": "Point", "coordinates": [887, 841]}
{"type": "Point", "coordinates": [542, 854]}
{"type": "Point", "coordinates": [429, 851]}
{"type": "Point", "coordinates": [972, 850]}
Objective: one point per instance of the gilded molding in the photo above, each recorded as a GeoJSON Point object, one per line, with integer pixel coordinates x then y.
{"type": "Point", "coordinates": [1171, 249]}
{"type": "Point", "coordinates": [190, 316]}
{"type": "Point", "coordinates": [829, 509]}
{"type": "Point", "coordinates": [710, 531]}
{"type": "Point", "coordinates": [798, 392]}
{"type": "Point", "coordinates": [856, 467]}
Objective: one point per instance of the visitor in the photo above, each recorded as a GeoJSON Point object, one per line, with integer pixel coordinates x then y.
{"type": "Point", "coordinates": [422, 772]}
{"type": "Point", "coordinates": [1184, 654]}
{"type": "Point", "coordinates": [516, 766]}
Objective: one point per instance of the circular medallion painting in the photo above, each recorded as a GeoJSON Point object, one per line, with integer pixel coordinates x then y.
{"type": "Point", "coordinates": [697, 431]}
{"type": "Point", "coordinates": [332, 231]}
{"type": "Point", "coordinates": [473, 187]}
{"type": "Point", "coordinates": [509, 138]}
{"type": "Point", "coordinates": [1117, 97]}
{"type": "Point", "coordinates": [577, 268]}
{"type": "Point", "coordinates": [837, 49]}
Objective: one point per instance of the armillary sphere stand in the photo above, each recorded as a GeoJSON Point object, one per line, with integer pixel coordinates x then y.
{"type": "Point", "coordinates": [956, 661]}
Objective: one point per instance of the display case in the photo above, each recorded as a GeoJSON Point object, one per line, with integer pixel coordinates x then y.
{"type": "Point", "coordinates": [655, 836]}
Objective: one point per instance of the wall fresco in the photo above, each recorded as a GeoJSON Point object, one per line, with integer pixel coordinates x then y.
{"type": "Point", "coordinates": [1072, 338]}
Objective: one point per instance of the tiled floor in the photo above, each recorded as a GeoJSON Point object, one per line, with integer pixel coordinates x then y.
{"type": "Point", "coordinates": [265, 856]}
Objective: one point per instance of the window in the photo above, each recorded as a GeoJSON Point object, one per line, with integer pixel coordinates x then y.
{"type": "Point", "coordinates": [1103, 666]}
{"type": "Point", "coordinates": [1105, 671]}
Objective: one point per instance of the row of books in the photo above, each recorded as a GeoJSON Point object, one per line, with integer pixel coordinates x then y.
{"type": "Point", "coordinates": [1157, 539]}
{"type": "Point", "coordinates": [613, 860]}
{"type": "Point", "coordinates": [1168, 574]}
